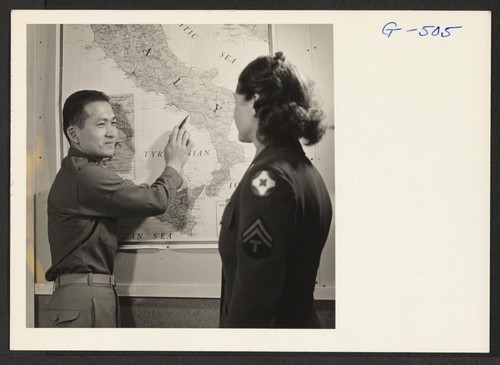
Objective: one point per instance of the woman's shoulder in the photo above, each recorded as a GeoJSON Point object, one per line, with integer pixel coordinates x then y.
{"type": "Point", "coordinates": [280, 166]}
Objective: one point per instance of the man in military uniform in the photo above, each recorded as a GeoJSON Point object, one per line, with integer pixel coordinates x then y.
{"type": "Point", "coordinates": [84, 203]}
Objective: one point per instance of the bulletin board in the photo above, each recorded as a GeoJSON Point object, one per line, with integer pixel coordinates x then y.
{"type": "Point", "coordinates": [175, 255]}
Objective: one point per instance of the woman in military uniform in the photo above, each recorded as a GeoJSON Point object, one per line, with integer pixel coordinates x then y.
{"type": "Point", "coordinates": [276, 223]}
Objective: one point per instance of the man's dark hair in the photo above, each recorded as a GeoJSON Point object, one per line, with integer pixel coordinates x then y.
{"type": "Point", "coordinates": [286, 108]}
{"type": "Point", "coordinates": [73, 110]}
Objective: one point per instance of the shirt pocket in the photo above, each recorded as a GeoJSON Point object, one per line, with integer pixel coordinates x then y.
{"type": "Point", "coordinates": [109, 233]}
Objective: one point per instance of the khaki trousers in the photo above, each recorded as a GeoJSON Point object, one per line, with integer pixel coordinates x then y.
{"type": "Point", "coordinates": [82, 305]}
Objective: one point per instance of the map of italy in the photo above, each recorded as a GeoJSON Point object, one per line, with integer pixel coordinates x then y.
{"type": "Point", "coordinates": [164, 71]}
{"type": "Point", "coordinates": [142, 52]}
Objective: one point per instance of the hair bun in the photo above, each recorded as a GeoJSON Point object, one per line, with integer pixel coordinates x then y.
{"type": "Point", "coordinates": [279, 56]}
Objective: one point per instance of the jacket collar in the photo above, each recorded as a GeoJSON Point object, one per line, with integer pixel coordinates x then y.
{"type": "Point", "coordinates": [77, 153]}
{"type": "Point", "coordinates": [294, 147]}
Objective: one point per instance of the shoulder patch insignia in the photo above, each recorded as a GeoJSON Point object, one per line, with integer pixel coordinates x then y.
{"type": "Point", "coordinates": [263, 183]}
{"type": "Point", "coordinates": [257, 241]}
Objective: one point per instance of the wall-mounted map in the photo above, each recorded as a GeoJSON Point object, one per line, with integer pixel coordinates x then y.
{"type": "Point", "coordinates": [156, 75]}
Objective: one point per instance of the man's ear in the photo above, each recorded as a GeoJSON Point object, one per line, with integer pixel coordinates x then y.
{"type": "Point", "coordinates": [73, 134]}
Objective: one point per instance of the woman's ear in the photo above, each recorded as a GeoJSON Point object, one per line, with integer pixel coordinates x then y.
{"type": "Point", "coordinates": [255, 97]}
{"type": "Point", "coordinates": [73, 135]}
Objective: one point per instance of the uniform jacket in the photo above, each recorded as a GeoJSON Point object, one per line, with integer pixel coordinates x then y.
{"type": "Point", "coordinates": [273, 231]}
{"type": "Point", "coordinates": [84, 203]}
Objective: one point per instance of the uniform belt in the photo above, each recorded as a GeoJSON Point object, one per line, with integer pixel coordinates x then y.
{"type": "Point", "coordinates": [90, 279]}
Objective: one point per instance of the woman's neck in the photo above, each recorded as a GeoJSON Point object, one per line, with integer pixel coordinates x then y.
{"type": "Point", "coordinates": [259, 147]}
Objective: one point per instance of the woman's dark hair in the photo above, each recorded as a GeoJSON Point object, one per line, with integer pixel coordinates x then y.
{"type": "Point", "coordinates": [285, 108]}
{"type": "Point", "coordinates": [74, 107]}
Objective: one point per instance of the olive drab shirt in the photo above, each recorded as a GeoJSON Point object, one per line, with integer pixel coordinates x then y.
{"type": "Point", "coordinates": [273, 231]}
{"type": "Point", "coordinates": [84, 203]}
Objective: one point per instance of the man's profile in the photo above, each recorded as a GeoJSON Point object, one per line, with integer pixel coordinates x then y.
{"type": "Point", "coordinates": [84, 204]}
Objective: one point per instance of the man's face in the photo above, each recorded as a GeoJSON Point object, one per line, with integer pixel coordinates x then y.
{"type": "Point", "coordinates": [98, 136]}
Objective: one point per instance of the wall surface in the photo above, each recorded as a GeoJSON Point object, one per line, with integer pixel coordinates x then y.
{"type": "Point", "coordinates": [43, 149]}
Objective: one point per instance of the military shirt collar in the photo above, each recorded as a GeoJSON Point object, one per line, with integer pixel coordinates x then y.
{"type": "Point", "coordinates": [77, 153]}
